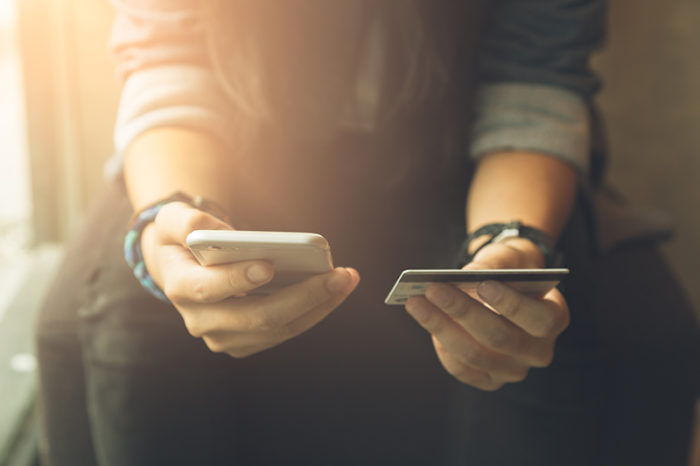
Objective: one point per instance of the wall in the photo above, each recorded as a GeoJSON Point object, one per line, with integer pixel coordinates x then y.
{"type": "Point", "coordinates": [71, 97]}
{"type": "Point", "coordinates": [651, 101]}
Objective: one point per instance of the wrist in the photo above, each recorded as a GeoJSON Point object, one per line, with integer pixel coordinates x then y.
{"type": "Point", "coordinates": [148, 246]}
{"type": "Point", "coordinates": [537, 246]}
{"type": "Point", "coordinates": [143, 221]}
{"type": "Point", "coordinates": [533, 257]}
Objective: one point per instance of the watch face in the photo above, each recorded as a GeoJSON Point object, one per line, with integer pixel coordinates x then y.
{"type": "Point", "coordinates": [502, 231]}
{"type": "Point", "coordinates": [505, 234]}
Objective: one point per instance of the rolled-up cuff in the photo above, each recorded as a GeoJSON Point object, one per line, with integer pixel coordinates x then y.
{"type": "Point", "coordinates": [171, 95]}
{"type": "Point", "coordinates": [532, 117]}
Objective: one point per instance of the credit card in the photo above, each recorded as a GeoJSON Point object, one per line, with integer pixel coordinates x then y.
{"type": "Point", "coordinates": [533, 282]}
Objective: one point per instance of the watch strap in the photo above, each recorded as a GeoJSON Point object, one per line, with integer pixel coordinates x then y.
{"type": "Point", "coordinates": [501, 231]}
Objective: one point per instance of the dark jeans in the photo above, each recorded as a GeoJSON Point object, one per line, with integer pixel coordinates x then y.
{"type": "Point", "coordinates": [123, 383]}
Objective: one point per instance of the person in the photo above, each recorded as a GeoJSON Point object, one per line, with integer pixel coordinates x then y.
{"type": "Point", "coordinates": [370, 123]}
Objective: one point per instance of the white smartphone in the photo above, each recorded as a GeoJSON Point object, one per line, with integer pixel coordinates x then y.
{"type": "Point", "coordinates": [294, 256]}
{"type": "Point", "coordinates": [534, 282]}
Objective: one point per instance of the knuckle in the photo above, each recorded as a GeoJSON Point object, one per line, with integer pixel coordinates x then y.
{"type": "Point", "coordinates": [548, 326]}
{"type": "Point", "coordinates": [461, 373]}
{"type": "Point", "coordinates": [434, 324]}
{"type": "Point", "coordinates": [464, 378]}
{"type": "Point", "coordinates": [467, 376]}
{"type": "Point", "coordinates": [544, 359]}
{"type": "Point", "coordinates": [173, 291]}
{"type": "Point", "coordinates": [240, 353]}
{"type": "Point", "coordinates": [523, 375]}
{"type": "Point", "coordinates": [233, 279]}
{"type": "Point", "coordinates": [509, 306]}
{"type": "Point", "coordinates": [192, 324]}
{"type": "Point", "coordinates": [179, 288]}
{"type": "Point", "coordinates": [553, 323]}
{"type": "Point", "coordinates": [193, 328]}
{"type": "Point", "coordinates": [195, 219]}
{"type": "Point", "coordinates": [215, 345]}
{"type": "Point", "coordinates": [248, 321]}
{"type": "Point", "coordinates": [499, 340]}
{"type": "Point", "coordinates": [519, 375]}
{"type": "Point", "coordinates": [563, 322]}
{"type": "Point", "coordinates": [162, 213]}
{"type": "Point", "coordinates": [439, 346]}
{"type": "Point", "coordinates": [442, 296]}
{"type": "Point", "coordinates": [312, 298]}
{"type": "Point", "coordinates": [201, 291]}
{"type": "Point", "coordinates": [541, 330]}
{"type": "Point", "coordinates": [284, 332]}
{"type": "Point", "coordinates": [267, 322]}
{"type": "Point", "coordinates": [251, 318]}
{"type": "Point", "coordinates": [473, 358]}
{"type": "Point", "coordinates": [491, 386]}
{"type": "Point", "coordinates": [458, 309]}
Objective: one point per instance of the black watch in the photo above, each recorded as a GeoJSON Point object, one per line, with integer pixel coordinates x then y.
{"type": "Point", "coordinates": [515, 229]}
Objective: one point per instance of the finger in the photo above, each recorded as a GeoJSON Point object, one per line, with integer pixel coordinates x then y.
{"type": "Point", "coordinates": [257, 314]}
{"type": "Point", "coordinates": [543, 318]}
{"type": "Point", "coordinates": [243, 344]}
{"type": "Point", "coordinates": [176, 220]}
{"type": "Point", "coordinates": [239, 352]}
{"type": "Point", "coordinates": [487, 327]}
{"type": "Point", "coordinates": [290, 303]}
{"type": "Point", "coordinates": [463, 373]}
{"type": "Point", "coordinates": [192, 283]}
{"type": "Point", "coordinates": [222, 343]}
{"type": "Point", "coordinates": [460, 343]}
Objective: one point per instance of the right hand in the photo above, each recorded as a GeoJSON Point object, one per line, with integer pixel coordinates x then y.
{"type": "Point", "coordinates": [212, 300]}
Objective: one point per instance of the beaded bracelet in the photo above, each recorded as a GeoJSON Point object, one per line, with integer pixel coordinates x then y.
{"type": "Point", "coordinates": [139, 221]}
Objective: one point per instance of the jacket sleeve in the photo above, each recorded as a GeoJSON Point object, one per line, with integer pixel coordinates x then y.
{"type": "Point", "coordinates": [535, 83]}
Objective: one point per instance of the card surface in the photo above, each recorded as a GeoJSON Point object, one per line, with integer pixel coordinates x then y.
{"type": "Point", "coordinates": [534, 282]}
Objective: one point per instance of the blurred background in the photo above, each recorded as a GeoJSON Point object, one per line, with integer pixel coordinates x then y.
{"type": "Point", "coordinates": [58, 96]}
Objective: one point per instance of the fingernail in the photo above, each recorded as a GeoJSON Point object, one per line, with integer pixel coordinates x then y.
{"type": "Point", "coordinates": [338, 281]}
{"type": "Point", "coordinates": [490, 291]}
{"type": "Point", "coordinates": [417, 309]}
{"type": "Point", "coordinates": [258, 273]}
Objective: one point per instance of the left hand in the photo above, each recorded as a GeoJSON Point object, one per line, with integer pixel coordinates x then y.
{"type": "Point", "coordinates": [488, 349]}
